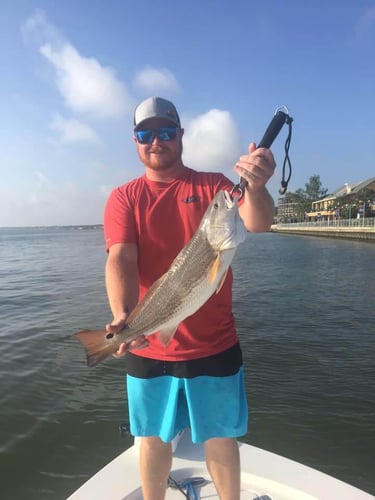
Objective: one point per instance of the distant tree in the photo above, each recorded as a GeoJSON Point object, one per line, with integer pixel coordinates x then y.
{"type": "Point", "coordinates": [304, 197]}
{"type": "Point", "coordinates": [294, 197]}
{"type": "Point", "coordinates": [313, 189]}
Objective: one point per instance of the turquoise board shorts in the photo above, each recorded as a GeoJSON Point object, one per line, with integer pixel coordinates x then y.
{"type": "Point", "coordinates": [205, 395]}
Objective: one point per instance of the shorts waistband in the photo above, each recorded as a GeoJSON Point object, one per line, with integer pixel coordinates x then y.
{"type": "Point", "coordinates": [222, 364]}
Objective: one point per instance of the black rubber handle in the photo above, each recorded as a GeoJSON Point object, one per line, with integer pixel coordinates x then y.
{"type": "Point", "coordinates": [273, 129]}
{"type": "Point", "coordinates": [270, 135]}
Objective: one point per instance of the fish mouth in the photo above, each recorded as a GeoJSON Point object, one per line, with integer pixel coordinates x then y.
{"type": "Point", "coordinates": [229, 201]}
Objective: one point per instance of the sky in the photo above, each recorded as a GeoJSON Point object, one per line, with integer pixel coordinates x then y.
{"type": "Point", "coordinates": [72, 73]}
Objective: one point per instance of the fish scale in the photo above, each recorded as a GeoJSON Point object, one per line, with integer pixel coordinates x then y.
{"type": "Point", "coordinates": [167, 301]}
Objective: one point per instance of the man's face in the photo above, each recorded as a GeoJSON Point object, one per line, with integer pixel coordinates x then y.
{"type": "Point", "coordinates": [160, 155]}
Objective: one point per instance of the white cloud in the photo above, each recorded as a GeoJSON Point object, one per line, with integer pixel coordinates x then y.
{"type": "Point", "coordinates": [73, 131]}
{"type": "Point", "coordinates": [41, 176]}
{"type": "Point", "coordinates": [44, 199]}
{"type": "Point", "coordinates": [36, 29]}
{"type": "Point", "coordinates": [85, 84]}
{"type": "Point", "coordinates": [106, 189]}
{"type": "Point", "coordinates": [211, 141]}
{"type": "Point", "coordinates": [154, 81]}
{"type": "Point", "coordinates": [49, 203]}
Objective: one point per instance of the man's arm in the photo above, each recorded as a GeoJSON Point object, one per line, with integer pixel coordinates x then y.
{"type": "Point", "coordinates": [257, 211]}
{"type": "Point", "coordinates": [122, 284]}
{"type": "Point", "coordinates": [121, 279]}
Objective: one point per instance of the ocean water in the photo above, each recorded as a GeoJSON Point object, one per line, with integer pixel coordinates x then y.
{"type": "Point", "coordinates": [305, 313]}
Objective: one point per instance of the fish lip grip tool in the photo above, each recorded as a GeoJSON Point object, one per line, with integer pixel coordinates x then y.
{"type": "Point", "coordinates": [280, 117]}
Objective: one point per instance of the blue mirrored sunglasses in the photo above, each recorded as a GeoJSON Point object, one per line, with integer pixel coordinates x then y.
{"type": "Point", "coordinates": [163, 133]}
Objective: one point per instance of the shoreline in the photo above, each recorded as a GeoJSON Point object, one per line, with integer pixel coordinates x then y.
{"type": "Point", "coordinates": [357, 233]}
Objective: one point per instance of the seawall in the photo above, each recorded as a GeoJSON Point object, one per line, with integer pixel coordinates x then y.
{"type": "Point", "coordinates": [358, 233]}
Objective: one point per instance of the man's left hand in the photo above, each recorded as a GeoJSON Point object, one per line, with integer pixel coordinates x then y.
{"type": "Point", "coordinates": [257, 167]}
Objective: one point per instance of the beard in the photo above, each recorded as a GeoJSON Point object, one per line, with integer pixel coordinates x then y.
{"type": "Point", "coordinates": [160, 158]}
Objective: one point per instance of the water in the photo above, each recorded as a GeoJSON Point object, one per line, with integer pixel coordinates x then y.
{"type": "Point", "coordinates": [305, 314]}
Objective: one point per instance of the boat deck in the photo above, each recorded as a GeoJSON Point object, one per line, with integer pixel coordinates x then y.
{"type": "Point", "coordinates": [265, 476]}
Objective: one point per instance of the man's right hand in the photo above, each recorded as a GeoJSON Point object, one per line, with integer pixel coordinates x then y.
{"type": "Point", "coordinates": [116, 327]}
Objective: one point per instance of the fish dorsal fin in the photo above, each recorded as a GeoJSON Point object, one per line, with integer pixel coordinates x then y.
{"type": "Point", "coordinates": [214, 269]}
{"type": "Point", "coordinates": [221, 282]}
{"type": "Point", "coordinates": [166, 334]}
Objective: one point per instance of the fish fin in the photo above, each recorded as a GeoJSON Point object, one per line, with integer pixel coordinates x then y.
{"type": "Point", "coordinates": [221, 282]}
{"type": "Point", "coordinates": [214, 269]}
{"type": "Point", "coordinates": [166, 334]}
{"type": "Point", "coordinates": [96, 345]}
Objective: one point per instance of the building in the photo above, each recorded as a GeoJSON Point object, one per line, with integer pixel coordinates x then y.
{"type": "Point", "coordinates": [347, 202]}
{"type": "Point", "coordinates": [287, 211]}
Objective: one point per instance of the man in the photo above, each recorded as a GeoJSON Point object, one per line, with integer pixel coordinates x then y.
{"type": "Point", "coordinates": [147, 222]}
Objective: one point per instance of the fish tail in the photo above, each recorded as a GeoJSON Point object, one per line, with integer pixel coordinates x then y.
{"type": "Point", "coordinates": [96, 345]}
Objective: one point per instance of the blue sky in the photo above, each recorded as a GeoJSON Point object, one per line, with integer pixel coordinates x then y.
{"type": "Point", "coordinates": [73, 71]}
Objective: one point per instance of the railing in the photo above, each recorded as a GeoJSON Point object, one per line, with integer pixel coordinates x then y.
{"type": "Point", "coordinates": [368, 222]}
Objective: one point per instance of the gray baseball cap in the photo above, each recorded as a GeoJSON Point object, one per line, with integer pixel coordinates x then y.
{"type": "Point", "coordinates": [155, 107]}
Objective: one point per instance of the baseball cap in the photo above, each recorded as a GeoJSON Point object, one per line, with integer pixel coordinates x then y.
{"type": "Point", "coordinates": [155, 107]}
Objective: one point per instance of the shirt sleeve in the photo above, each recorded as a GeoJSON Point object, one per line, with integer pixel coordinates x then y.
{"type": "Point", "coordinates": [223, 183]}
{"type": "Point", "coordinates": [119, 222]}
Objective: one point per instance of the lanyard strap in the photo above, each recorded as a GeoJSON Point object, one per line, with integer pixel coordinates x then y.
{"type": "Point", "coordinates": [280, 117]}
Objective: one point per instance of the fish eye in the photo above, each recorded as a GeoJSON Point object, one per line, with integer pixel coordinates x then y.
{"type": "Point", "coordinates": [216, 205]}
{"type": "Point", "coordinates": [109, 336]}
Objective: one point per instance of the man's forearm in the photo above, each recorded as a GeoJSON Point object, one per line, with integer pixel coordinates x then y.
{"type": "Point", "coordinates": [258, 210]}
{"type": "Point", "coordinates": [121, 277]}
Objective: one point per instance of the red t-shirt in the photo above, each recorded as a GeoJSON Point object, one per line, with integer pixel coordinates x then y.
{"type": "Point", "coordinates": [160, 218]}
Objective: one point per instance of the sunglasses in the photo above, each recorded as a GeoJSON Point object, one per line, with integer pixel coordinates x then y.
{"type": "Point", "coordinates": [163, 133]}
